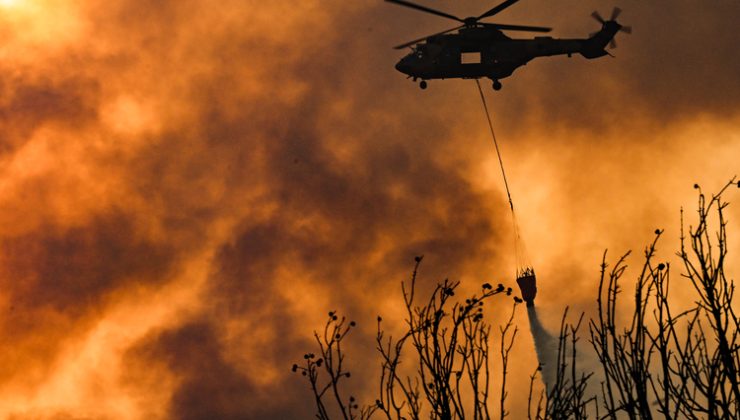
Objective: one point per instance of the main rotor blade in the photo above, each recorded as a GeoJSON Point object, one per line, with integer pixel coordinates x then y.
{"type": "Point", "coordinates": [598, 17]}
{"type": "Point", "coordinates": [626, 29]}
{"type": "Point", "coordinates": [517, 27]}
{"type": "Point", "coordinates": [424, 9]}
{"type": "Point", "coordinates": [402, 46]}
{"type": "Point", "coordinates": [497, 9]}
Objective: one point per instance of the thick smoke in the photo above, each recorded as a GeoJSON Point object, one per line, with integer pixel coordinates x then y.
{"type": "Point", "coordinates": [188, 189]}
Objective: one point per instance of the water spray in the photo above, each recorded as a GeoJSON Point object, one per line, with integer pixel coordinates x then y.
{"type": "Point", "coordinates": [545, 345]}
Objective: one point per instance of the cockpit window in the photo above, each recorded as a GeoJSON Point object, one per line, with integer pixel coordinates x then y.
{"type": "Point", "coordinates": [421, 51]}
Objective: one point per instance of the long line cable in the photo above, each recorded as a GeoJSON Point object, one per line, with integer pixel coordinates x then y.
{"type": "Point", "coordinates": [522, 259]}
{"type": "Point", "coordinates": [495, 143]}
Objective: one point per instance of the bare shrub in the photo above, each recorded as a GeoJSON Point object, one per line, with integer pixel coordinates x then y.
{"type": "Point", "coordinates": [661, 362]}
{"type": "Point", "coordinates": [665, 362]}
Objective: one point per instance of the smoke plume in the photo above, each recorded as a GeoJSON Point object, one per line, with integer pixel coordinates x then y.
{"type": "Point", "coordinates": [187, 189]}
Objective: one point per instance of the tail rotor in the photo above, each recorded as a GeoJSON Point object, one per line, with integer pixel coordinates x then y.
{"type": "Point", "coordinates": [615, 13]}
{"type": "Point", "coordinates": [611, 22]}
{"type": "Point", "coordinates": [598, 17]}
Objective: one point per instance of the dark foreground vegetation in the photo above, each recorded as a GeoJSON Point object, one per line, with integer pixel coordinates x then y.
{"type": "Point", "coordinates": [665, 361]}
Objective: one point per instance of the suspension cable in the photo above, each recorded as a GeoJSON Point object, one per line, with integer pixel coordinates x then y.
{"type": "Point", "coordinates": [523, 265]}
{"type": "Point", "coordinates": [495, 143]}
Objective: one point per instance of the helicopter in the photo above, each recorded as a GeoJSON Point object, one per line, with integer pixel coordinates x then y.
{"type": "Point", "coordinates": [481, 49]}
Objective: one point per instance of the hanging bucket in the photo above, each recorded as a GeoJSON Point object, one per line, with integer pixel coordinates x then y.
{"type": "Point", "coordinates": [528, 285]}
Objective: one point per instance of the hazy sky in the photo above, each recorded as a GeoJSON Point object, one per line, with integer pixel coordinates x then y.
{"type": "Point", "coordinates": [188, 187]}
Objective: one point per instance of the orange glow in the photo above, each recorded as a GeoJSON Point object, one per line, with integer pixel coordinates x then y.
{"type": "Point", "coordinates": [10, 4]}
{"type": "Point", "coordinates": [187, 190]}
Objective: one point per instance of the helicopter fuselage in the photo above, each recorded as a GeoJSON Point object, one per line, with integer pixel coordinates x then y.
{"type": "Point", "coordinates": [478, 52]}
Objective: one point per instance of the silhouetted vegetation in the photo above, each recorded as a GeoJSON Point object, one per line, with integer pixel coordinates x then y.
{"type": "Point", "coordinates": [666, 358]}
{"type": "Point", "coordinates": [673, 362]}
{"type": "Point", "coordinates": [450, 343]}
{"type": "Point", "coordinates": [330, 360]}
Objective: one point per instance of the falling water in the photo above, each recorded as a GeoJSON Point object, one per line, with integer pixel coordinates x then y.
{"type": "Point", "coordinates": [545, 346]}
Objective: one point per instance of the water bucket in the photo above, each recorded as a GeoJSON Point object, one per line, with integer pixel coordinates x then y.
{"type": "Point", "coordinates": [528, 285]}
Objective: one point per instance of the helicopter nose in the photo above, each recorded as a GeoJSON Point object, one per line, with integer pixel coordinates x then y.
{"type": "Point", "coordinates": [402, 67]}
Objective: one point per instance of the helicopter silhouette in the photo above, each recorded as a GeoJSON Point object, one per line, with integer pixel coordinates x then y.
{"type": "Point", "coordinates": [481, 49]}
